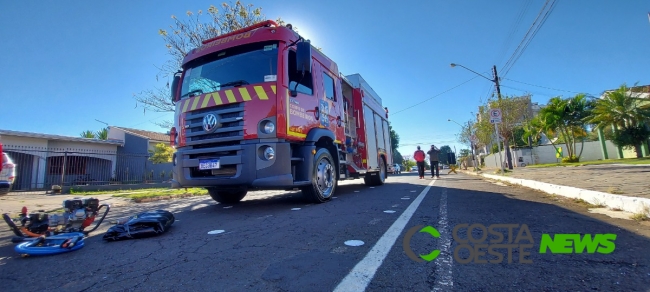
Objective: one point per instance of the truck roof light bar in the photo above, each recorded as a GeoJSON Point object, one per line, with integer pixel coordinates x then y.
{"type": "Point", "coordinates": [242, 30]}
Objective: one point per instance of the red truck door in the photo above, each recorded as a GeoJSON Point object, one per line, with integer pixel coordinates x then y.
{"type": "Point", "coordinates": [301, 108]}
{"type": "Point", "coordinates": [330, 108]}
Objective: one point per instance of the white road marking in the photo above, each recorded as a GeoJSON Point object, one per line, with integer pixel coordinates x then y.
{"type": "Point", "coordinates": [395, 206]}
{"type": "Point", "coordinates": [444, 262]}
{"type": "Point", "coordinates": [216, 231]}
{"type": "Point", "coordinates": [406, 198]}
{"type": "Point", "coordinates": [389, 211]}
{"type": "Point", "coordinates": [227, 207]}
{"type": "Point", "coordinates": [361, 275]}
{"type": "Point", "coordinates": [413, 191]}
{"type": "Point", "coordinates": [354, 243]}
{"type": "Point", "coordinates": [295, 209]}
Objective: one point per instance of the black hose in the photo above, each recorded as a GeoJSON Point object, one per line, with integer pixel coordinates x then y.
{"type": "Point", "coordinates": [108, 208]}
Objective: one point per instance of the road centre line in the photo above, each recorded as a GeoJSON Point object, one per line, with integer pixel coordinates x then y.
{"type": "Point", "coordinates": [361, 275]}
{"type": "Point", "coordinates": [444, 276]}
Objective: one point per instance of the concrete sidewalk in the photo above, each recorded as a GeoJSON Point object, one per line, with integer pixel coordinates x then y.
{"type": "Point", "coordinates": [619, 187]}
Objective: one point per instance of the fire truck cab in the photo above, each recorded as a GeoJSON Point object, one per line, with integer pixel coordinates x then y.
{"type": "Point", "coordinates": [261, 108]}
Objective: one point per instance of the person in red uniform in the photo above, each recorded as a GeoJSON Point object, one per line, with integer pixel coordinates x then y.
{"type": "Point", "coordinates": [419, 157]}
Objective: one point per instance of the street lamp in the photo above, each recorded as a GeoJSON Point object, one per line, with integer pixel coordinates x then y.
{"type": "Point", "coordinates": [494, 72]}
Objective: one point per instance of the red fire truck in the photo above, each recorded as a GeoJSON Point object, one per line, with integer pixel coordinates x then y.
{"type": "Point", "coordinates": [261, 108]}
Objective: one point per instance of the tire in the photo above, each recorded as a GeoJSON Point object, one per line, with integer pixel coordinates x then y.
{"type": "Point", "coordinates": [323, 181]}
{"type": "Point", "coordinates": [227, 196]}
{"type": "Point", "coordinates": [379, 178]}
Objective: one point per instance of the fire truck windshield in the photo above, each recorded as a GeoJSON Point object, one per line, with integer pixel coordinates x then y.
{"type": "Point", "coordinates": [243, 65]}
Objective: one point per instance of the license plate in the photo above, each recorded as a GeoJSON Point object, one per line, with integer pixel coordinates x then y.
{"type": "Point", "coordinates": [209, 164]}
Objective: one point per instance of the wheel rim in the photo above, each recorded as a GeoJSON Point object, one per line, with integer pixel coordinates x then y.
{"type": "Point", "coordinates": [325, 177]}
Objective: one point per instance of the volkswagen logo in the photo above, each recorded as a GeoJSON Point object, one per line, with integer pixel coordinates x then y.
{"type": "Point", "coordinates": [210, 123]}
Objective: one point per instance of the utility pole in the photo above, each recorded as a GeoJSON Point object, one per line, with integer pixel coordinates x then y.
{"type": "Point", "coordinates": [496, 81]}
{"type": "Point", "coordinates": [469, 128]}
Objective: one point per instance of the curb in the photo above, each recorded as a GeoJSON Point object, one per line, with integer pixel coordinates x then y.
{"type": "Point", "coordinates": [160, 198]}
{"type": "Point", "coordinates": [628, 204]}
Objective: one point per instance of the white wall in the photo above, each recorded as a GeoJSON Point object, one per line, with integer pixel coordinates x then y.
{"type": "Point", "coordinates": [116, 134]}
{"type": "Point", "coordinates": [546, 154]}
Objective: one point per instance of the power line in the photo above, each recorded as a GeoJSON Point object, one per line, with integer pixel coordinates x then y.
{"type": "Point", "coordinates": [526, 40]}
{"type": "Point", "coordinates": [515, 28]}
{"type": "Point", "coordinates": [439, 94]}
{"type": "Point", "coordinates": [544, 18]}
{"type": "Point", "coordinates": [545, 87]}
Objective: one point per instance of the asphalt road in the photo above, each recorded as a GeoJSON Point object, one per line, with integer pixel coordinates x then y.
{"type": "Point", "coordinates": [267, 246]}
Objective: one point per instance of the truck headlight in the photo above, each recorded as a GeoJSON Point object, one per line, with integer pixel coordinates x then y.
{"type": "Point", "coordinates": [268, 127]}
{"type": "Point", "coordinates": [269, 153]}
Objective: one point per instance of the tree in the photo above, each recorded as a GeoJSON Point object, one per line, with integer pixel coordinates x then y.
{"type": "Point", "coordinates": [185, 35]}
{"type": "Point", "coordinates": [102, 134]}
{"type": "Point", "coordinates": [442, 157]}
{"type": "Point", "coordinates": [566, 118]}
{"type": "Point", "coordinates": [515, 111]}
{"type": "Point", "coordinates": [162, 153]}
{"type": "Point", "coordinates": [397, 157]}
{"type": "Point", "coordinates": [623, 110]}
{"type": "Point", "coordinates": [87, 134]}
{"type": "Point", "coordinates": [394, 138]}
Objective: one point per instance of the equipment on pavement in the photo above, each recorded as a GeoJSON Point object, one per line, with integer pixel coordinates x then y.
{"type": "Point", "coordinates": [145, 224]}
{"type": "Point", "coordinates": [77, 215]}
{"type": "Point", "coordinates": [51, 245]}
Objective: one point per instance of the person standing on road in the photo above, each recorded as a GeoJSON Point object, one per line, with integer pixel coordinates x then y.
{"type": "Point", "coordinates": [434, 152]}
{"type": "Point", "coordinates": [419, 157]}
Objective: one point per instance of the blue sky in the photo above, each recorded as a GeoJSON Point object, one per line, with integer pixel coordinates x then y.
{"type": "Point", "coordinates": [67, 63]}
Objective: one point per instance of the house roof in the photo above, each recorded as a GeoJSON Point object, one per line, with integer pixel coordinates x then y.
{"type": "Point", "coordinates": [154, 136]}
{"type": "Point", "coordinates": [59, 137]}
{"type": "Point", "coordinates": [642, 91]}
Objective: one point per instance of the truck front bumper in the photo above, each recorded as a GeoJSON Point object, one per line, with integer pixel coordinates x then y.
{"type": "Point", "coordinates": [245, 169]}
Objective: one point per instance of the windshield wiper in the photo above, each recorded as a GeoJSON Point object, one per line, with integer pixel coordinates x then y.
{"type": "Point", "coordinates": [235, 83]}
{"type": "Point", "coordinates": [192, 92]}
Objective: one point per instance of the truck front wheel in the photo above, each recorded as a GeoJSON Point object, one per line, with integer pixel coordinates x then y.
{"type": "Point", "coordinates": [227, 196]}
{"type": "Point", "coordinates": [323, 179]}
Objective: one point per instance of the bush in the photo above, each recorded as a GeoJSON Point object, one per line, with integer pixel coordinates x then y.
{"type": "Point", "coordinates": [571, 159]}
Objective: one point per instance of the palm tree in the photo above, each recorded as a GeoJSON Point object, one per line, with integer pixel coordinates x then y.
{"type": "Point", "coordinates": [623, 111]}
{"type": "Point", "coordinates": [562, 116]}
{"type": "Point", "coordinates": [102, 134]}
{"type": "Point", "coordinates": [87, 134]}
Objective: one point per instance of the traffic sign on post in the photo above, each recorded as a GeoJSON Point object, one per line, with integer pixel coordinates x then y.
{"type": "Point", "coordinates": [495, 116]}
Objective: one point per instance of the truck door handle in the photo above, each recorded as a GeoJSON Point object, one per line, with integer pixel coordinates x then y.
{"type": "Point", "coordinates": [317, 113]}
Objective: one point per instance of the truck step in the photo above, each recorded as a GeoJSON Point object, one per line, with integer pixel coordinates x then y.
{"type": "Point", "coordinates": [357, 169]}
{"type": "Point", "coordinates": [298, 183]}
{"type": "Point", "coordinates": [300, 159]}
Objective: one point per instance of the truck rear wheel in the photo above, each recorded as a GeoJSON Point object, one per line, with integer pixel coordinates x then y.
{"type": "Point", "coordinates": [227, 196]}
{"type": "Point", "coordinates": [323, 179]}
{"type": "Point", "coordinates": [379, 177]}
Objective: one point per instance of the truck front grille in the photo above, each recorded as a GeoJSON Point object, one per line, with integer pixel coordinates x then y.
{"type": "Point", "coordinates": [218, 143]}
{"type": "Point", "coordinates": [230, 131]}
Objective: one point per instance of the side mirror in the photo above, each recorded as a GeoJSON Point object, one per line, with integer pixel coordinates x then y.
{"type": "Point", "coordinates": [303, 57]}
{"type": "Point", "coordinates": [175, 82]}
